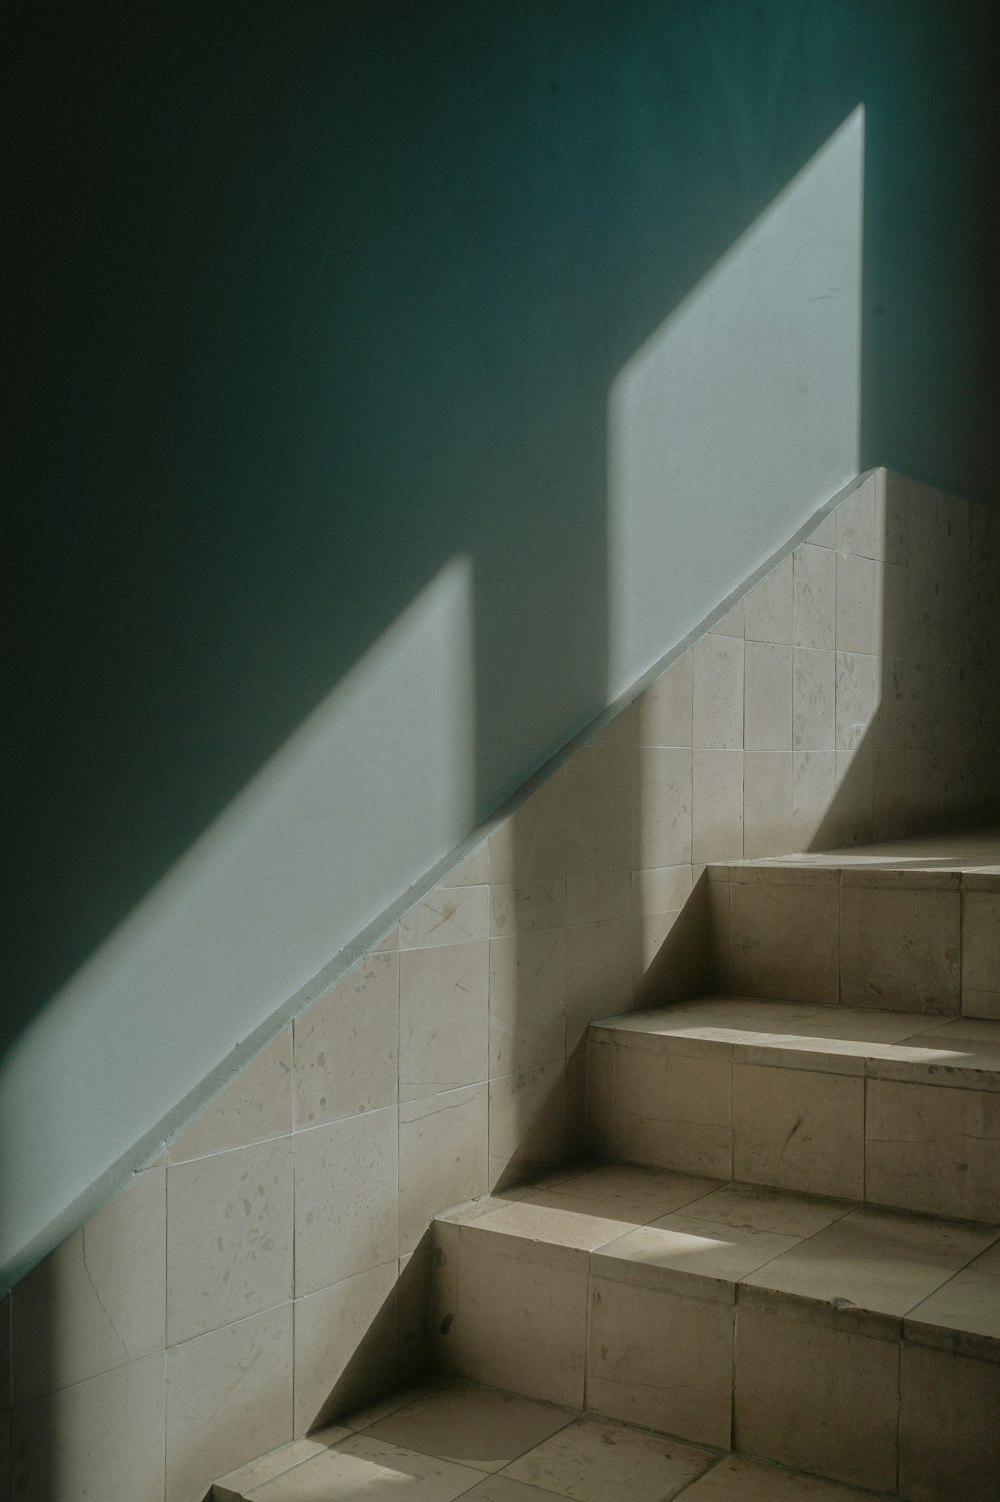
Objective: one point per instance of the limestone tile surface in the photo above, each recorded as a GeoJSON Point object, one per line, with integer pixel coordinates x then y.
{"type": "Point", "coordinates": [229, 1237]}
{"type": "Point", "coordinates": [345, 1346]}
{"type": "Point", "coordinates": [814, 783]}
{"type": "Point", "coordinates": [736, 1479]}
{"type": "Point", "coordinates": [362, 1466]}
{"type": "Point", "coordinates": [688, 1254]}
{"type": "Point", "coordinates": [785, 941]}
{"type": "Point", "coordinates": [590, 1456]}
{"type": "Point", "coordinates": [607, 894]}
{"type": "Point", "coordinates": [733, 623]}
{"type": "Point", "coordinates": [963, 1315]}
{"type": "Point", "coordinates": [662, 1360]}
{"type": "Point", "coordinates": [346, 1045]}
{"type": "Point", "coordinates": [599, 974]}
{"type": "Point", "coordinates": [758, 1207]}
{"type": "Point", "coordinates": [472, 1426]}
{"type": "Point", "coordinates": [858, 691]}
{"type": "Point", "coordinates": [247, 1478]}
{"type": "Point", "coordinates": [717, 813]}
{"type": "Point", "coordinates": [856, 602]}
{"type": "Point", "coordinates": [600, 1100]}
{"type": "Point", "coordinates": [813, 700]}
{"type": "Point", "coordinates": [256, 1105]}
{"type": "Point", "coordinates": [527, 1123]}
{"type": "Point", "coordinates": [600, 795]}
{"type": "Point", "coordinates": [449, 915]}
{"type": "Point", "coordinates": [814, 597]}
{"type": "Point", "coordinates": [97, 1302]}
{"type": "Point", "coordinates": [933, 1148]}
{"type": "Point", "coordinates": [674, 1112]}
{"type": "Point", "coordinates": [663, 806]}
{"type": "Point", "coordinates": [502, 1489]}
{"type": "Point", "coordinates": [664, 711]}
{"type": "Point", "coordinates": [874, 1260]}
{"type": "Point", "coordinates": [718, 693]}
{"type": "Point", "coordinates": [817, 1398]}
{"type": "Point", "coordinates": [769, 606]}
{"type": "Point", "coordinates": [981, 954]}
{"type": "Point", "coordinates": [509, 1302]}
{"type": "Point", "coordinates": [949, 1438]}
{"type": "Point", "coordinates": [527, 1000]}
{"type": "Point", "coordinates": [527, 905]}
{"type": "Point", "coordinates": [443, 1156]}
{"type": "Point", "coordinates": [102, 1437]}
{"type": "Point", "coordinates": [768, 697]}
{"type": "Point", "coordinates": [900, 948]}
{"type": "Point", "coordinates": [799, 1130]}
{"type": "Point", "coordinates": [628, 1191]}
{"type": "Point", "coordinates": [346, 1177]}
{"type": "Point", "coordinates": [860, 520]}
{"type": "Point", "coordinates": [531, 843]}
{"type": "Point", "coordinates": [474, 871]}
{"type": "Point", "coordinates": [767, 803]}
{"type": "Point", "coordinates": [443, 1018]}
{"type": "Point", "coordinates": [663, 889]}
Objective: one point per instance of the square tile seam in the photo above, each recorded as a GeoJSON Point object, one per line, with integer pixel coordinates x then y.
{"type": "Point", "coordinates": [850, 1207]}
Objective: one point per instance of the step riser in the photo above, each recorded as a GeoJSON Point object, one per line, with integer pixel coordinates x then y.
{"type": "Point", "coordinates": [835, 1392]}
{"type": "Point", "coordinates": [934, 1149]}
{"type": "Point", "coordinates": [892, 940]}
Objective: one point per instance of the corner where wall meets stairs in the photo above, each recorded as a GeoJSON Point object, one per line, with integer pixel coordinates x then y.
{"type": "Point", "coordinates": [271, 1267]}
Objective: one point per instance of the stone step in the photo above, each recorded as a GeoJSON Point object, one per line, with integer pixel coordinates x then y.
{"type": "Point", "coordinates": [882, 928]}
{"type": "Point", "coordinates": [892, 1108]}
{"type": "Point", "coordinates": [449, 1439]}
{"type": "Point", "coordinates": [857, 1344]}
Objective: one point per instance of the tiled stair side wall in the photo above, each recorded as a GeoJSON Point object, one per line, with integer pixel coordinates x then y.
{"type": "Point", "coordinates": [277, 1257]}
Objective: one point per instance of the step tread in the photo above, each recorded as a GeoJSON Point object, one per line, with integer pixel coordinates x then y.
{"type": "Point", "coordinates": [885, 1273]}
{"type": "Point", "coordinates": [448, 1438]}
{"type": "Point", "coordinates": [916, 1047]}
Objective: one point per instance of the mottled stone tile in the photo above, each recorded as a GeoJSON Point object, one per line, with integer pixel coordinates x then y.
{"type": "Point", "coordinates": [900, 949]}
{"type": "Point", "coordinates": [949, 1438]}
{"type": "Point", "coordinates": [785, 941]}
{"type": "Point", "coordinates": [449, 915]}
{"type": "Point", "coordinates": [768, 704]}
{"type": "Point", "coordinates": [664, 711]}
{"type": "Point", "coordinates": [797, 1129]}
{"type": "Point", "coordinates": [346, 1045]}
{"type": "Point", "coordinates": [673, 1111]}
{"type": "Point", "coordinates": [768, 792]}
{"type": "Point", "coordinates": [472, 1426]}
{"type": "Point", "coordinates": [857, 624]}
{"type": "Point", "coordinates": [663, 807]}
{"type": "Point", "coordinates": [527, 1123]}
{"type": "Point", "coordinates": [443, 1018]}
{"type": "Point", "coordinates": [527, 1000]}
{"type": "Point", "coordinates": [599, 975]}
{"type": "Point", "coordinates": [769, 606]}
{"type": "Point", "coordinates": [933, 1149]}
{"type": "Point", "coordinates": [814, 603]}
{"type": "Point", "coordinates": [256, 1105]}
{"type": "Point", "coordinates": [346, 1186]}
{"type": "Point", "coordinates": [718, 693]}
{"type": "Point", "coordinates": [813, 700]}
{"type": "Point", "coordinates": [527, 906]}
{"type": "Point", "coordinates": [530, 845]}
{"type": "Point", "coordinates": [345, 1346]}
{"type": "Point", "coordinates": [443, 1152]}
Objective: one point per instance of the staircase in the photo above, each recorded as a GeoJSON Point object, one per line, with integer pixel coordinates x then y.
{"type": "Point", "coordinates": [785, 1255]}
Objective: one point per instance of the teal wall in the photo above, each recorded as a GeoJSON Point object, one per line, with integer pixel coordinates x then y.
{"type": "Point", "coordinates": [312, 300]}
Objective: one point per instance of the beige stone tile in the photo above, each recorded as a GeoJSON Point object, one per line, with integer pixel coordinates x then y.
{"type": "Point", "coordinates": [663, 806]}
{"type": "Point", "coordinates": [448, 915]}
{"type": "Point", "coordinates": [733, 623]}
{"type": "Point", "coordinates": [626, 1191]}
{"type": "Point", "coordinates": [670, 953]}
{"type": "Point", "coordinates": [509, 1303]}
{"type": "Point", "coordinates": [102, 1437]}
{"type": "Point", "coordinates": [824, 534]}
{"type": "Point", "coordinates": [814, 781]}
{"type": "Point", "coordinates": [663, 712]}
{"type": "Point", "coordinates": [619, 731]}
{"type": "Point", "coordinates": [785, 941]}
{"type": "Point", "coordinates": [963, 1315]}
{"type": "Point", "coordinates": [555, 1228]}
{"type": "Point", "coordinates": [599, 975]}
{"type": "Point", "coordinates": [900, 949]}
{"type": "Point", "coordinates": [853, 808]}
{"type": "Point", "coordinates": [757, 1207]}
{"type": "Point", "coordinates": [768, 607]}
{"type": "Point", "coordinates": [591, 1458]}
{"type": "Point", "coordinates": [662, 889]}
{"type": "Point", "coordinates": [97, 1302]}
{"type": "Point", "coordinates": [345, 1346]}
{"type": "Point", "coordinates": [501, 1489]}
{"type": "Point", "coordinates": [253, 1475]}
{"type": "Point", "coordinates": [814, 602]}
{"type": "Point", "coordinates": [443, 1157]}
{"type": "Point", "coordinates": [687, 1254]}
{"type": "Point", "coordinates": [474, 871]}
{"type": "Point", "coordinates": [768, 697]}
{"type": "Point", "coordinates": [229, 1237]}
{"type": "Point", "coordinates": [600, 1100]}
{"type": "Point", "coordinates": [389, 943]}
{"type": "Point", "coordinates": [254, 1106]}
{"type": "Point", "coordinates": [717, 819]}
{"type": "Point", "coordinates": [860, 521]}
{"type": "Point", "coordinates": [949, 1438]}
{"type": "Point", "coordinates": [472, 1426]}
{"type": "Point", "coordinates": [531, 844]}
{"type": "Point", "coordinates": [346, 1045]}
{"type": "Point", "coordinates": [527, 906]}
{"type": "Point", "coordinates": [856, 613]}
{"type": "Point", "coordinates": [799, 1130]}
{"type": "Point", "coordinates": [527, 1123]}
{"type": "Point", "coordinates": [873, 1260]}
{"type": "Point", "coordinates": [718, 693]}
{"type": "Point", "coordinates": [594, 899]}
{"type": "Point", "coordinates": [600, 785]}
{"type": "Point", "coordinates": [858, 694]}
{"type": "Point", "coordinates": [662, 1360]}
{"type": "Point", "coordinates": [346, 1177]}
{"type": "Point", "coordinates": [933, 1149]}
{"type": "Point", "coordinates": [817, 1398]}
{"type": "Point", "coordinates": [718, 933]}
{"type": "Point", "coordinates": [673, 1111]}
{"type": "Point", "coordinates": [527, 1000]}
{"type": "Point", "coordinates": [366, 1467]}
{"type": "Point", "coordinates": [229, 1399]}
{"type": "Point", "coordinates": [767, 803]}
{"type": "Point", "coordinates": [736, 1479]}
{"type": "Point", "coordinates": [414, 1309]}
{"type": "Point", "coordinates": [813, 700]}
{"type": "Point", "coordinates": [443, 1018]}
{"type": "Point", "coordinates": [981, 953]}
